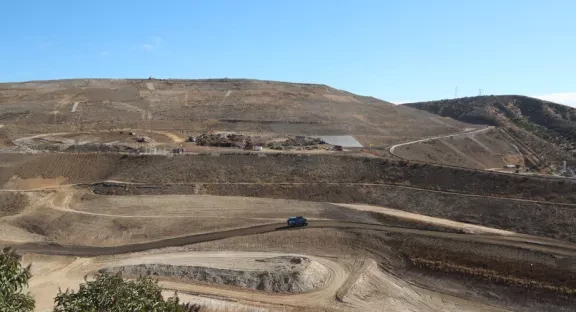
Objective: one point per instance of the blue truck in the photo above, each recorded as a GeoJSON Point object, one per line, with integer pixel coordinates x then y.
{"type": "Point", "coordinates": [297, 221]}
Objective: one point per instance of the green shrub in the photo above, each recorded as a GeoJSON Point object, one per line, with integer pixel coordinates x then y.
{"type": "Point", "coordinates": [111, 293]}
{"type": "Point", "coordinates": [13, 279]}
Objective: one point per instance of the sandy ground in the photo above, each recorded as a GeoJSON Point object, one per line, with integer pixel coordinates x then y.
{"type": "Point", "coordinates": [348, 288]}
{"type": "Point", "coordinates": [466, 227]}
{"type": "Point", "coordinates": [374, 289]}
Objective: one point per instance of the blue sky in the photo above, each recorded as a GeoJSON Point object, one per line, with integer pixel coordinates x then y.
{"type": "Point", "coordinates": [398, 51]}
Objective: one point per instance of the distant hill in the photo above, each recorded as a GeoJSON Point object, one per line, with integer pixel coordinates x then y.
{"type": "Point", "coordinates": [546, 128]}
{"type": "Point", "coordinates": [192, 106]}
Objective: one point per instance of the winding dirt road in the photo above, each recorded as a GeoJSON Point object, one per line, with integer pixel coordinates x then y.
{"type": "Point", "coordinates": [519, 241]}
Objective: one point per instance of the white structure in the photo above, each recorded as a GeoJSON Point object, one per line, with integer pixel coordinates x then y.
{"type": "Point", "coordinates": [342, 140]}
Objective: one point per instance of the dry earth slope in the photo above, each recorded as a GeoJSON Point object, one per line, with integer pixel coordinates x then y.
{"type": "Point", "coordinates": [201, 105]}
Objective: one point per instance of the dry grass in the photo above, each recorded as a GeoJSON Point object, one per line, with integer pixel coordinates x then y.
{"type": "Point", "coordinates": [200, 206]}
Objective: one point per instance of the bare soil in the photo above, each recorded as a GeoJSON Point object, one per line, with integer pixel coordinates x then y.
{"type": "Point", "coordinates": [481, 150]}
{"type": "Point", "coordinates": [206, 105]}
{"type": "Point", "coordinates": [536, 218]}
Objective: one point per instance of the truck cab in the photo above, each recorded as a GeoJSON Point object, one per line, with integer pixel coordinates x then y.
{"type": "Point", "coordinates": [296, 221]}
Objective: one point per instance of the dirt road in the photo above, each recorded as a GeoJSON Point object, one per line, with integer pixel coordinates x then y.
{"type": "Point", "coordinates": [519, 241]}
{"type": "Point", "coordinates": [392, 148]}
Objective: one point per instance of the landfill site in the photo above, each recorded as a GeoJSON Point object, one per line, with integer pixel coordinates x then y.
{"type": "Point", "coordinates": [247, 195]}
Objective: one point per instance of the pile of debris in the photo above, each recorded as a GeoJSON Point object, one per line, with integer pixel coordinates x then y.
{"type": "Point", "coordinates": [222, 140]}
{"type": "Point", "coordinates": [297, 142]}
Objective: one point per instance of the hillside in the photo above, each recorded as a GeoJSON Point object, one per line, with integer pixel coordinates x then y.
{"type": "Point", "coordinates": [133, 176]}
{"type": "Point", "coordinates": [185, 106]}
{"type": "Point", "coordinates": [541, 128]}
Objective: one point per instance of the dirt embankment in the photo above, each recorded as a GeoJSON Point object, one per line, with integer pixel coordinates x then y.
{"type": "Point", "coordinates": [279, 168]}
{"type": "Point", "coordinates": [507, 271]}
{"type": "Point", "coordinates": [289, 275]}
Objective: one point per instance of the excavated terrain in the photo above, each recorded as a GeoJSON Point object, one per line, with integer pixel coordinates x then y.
{"type": "Point", "coordinates": [282, 274]}
{"type": "Point", "coordinates": [410, 222]}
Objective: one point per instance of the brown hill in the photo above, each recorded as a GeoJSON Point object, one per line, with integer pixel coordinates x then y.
{"type": "Point", "coordinates": [220, 104]}
{"type": "Point", "coordinates": [541, 128]}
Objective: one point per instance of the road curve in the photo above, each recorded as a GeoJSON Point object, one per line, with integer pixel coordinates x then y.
{"type": "Point", "coordinates": [519, 241]}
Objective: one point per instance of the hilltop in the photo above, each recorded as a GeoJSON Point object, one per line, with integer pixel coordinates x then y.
{"type": "Point", "coordinates": [186, 106]}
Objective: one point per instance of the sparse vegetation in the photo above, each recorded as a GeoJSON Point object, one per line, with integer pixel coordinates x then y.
{"type": "Point", "coordinates": [539, 120]}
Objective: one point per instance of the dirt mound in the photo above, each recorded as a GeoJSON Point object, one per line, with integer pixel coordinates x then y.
{"type": "Point", "coordinates": [283, 274]}
{"type": "Point", "coordinates": [222, 140]}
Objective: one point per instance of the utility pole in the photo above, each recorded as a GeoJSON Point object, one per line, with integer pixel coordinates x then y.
{"type": "Point", "coordinates": [456, 93]}
{"type": "Point", "coordinates": [480, 92]}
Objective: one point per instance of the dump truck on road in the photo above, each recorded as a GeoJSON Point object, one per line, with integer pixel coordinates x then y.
{"type": "Point", "coordinates": [297, 221]}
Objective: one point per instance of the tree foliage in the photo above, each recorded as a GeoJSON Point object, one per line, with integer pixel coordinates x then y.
{"type": "Point", "coordinates": [13, 282]}
{"type": "Point", "coordinates": [111, 293]}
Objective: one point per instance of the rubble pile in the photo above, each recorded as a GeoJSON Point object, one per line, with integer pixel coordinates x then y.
{"type": "Point", "coordinates": [222, 140]}
{"type": "Point", "coordinates": [297, 142]}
